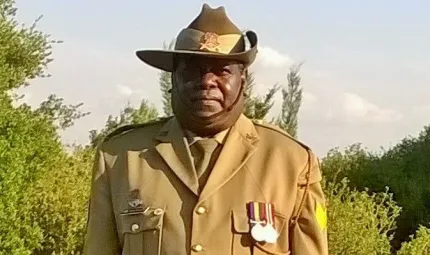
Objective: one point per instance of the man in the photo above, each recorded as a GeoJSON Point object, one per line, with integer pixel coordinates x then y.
{"type": "Point", "coordinates": [208, 180]}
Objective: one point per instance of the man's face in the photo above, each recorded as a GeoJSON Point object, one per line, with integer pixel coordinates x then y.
{"type": "Point", "coordinates": [207, 85]}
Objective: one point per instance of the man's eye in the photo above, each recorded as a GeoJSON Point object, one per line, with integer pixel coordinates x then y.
{"type": "Point", "coordinates": [226, 71]}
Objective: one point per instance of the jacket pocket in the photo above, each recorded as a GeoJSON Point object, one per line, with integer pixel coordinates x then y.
{"type": "Point", "coordinates": [242, 239]}
{"type": "Point", "coordinates": [142, 231]}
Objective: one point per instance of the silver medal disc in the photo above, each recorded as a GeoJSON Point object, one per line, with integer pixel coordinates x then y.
{"type": "Point", "coordinates": [270, 234]}
{"type": "Point", "coordinates": [257, 232]}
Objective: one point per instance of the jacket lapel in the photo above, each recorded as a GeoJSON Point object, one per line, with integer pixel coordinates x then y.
{"type": "Point", "coordinates": [239, 146]}
{"type": "Point", "coordinates": [175, 152]}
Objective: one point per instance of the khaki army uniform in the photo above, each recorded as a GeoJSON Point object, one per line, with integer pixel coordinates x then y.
{"type": "Point", "coordinates": [146, 198]}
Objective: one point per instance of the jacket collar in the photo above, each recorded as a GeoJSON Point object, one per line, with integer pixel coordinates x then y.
{"type": "Point", "coordinates": [239, 141]}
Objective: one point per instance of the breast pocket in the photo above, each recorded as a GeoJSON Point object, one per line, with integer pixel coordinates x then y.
{"type": "Point", "coordinates": [243, 243]}
{"type": "Point", "coordinates": [142, 231]}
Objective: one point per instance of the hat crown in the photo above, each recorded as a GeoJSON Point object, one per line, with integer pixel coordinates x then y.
{"type": "Point", "coordinates": [214, 20]}
{"type": "Point", "coordinates": [211, 34]}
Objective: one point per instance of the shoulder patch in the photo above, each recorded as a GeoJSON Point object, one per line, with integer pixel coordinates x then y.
{"type": "Point", "coordinates": [276, 128]}
{"type": "Point", "coordinates": [126, 128]}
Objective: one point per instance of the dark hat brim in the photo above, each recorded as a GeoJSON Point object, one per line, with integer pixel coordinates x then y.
{"type": "Point", "coordinates": [163, 59]}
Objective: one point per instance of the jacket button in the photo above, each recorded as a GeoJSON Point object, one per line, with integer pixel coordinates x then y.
{"type": "Point", "coordinates": [135, 227]}
{"type": "Point", "coordinates": [201, 210]}
{"type": "Point", "coordinates": [197, 248]}
{"type": "Point", "coordinates": [158, 211]}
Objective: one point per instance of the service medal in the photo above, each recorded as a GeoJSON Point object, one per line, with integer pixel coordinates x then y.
{"type": "Point", "coordinates": [270, 234]}
{"type": "Point", "coordinates": [258, 233]}
{"type": "Point", "coordinates": [261, 219]}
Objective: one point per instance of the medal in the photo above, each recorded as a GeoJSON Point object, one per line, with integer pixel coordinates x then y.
{"type": "Point", "coordinates": [261, 219]}
{"type": "Point", "coordinates": [270, 234]}
{"type": "Point", "coordinates": [257, 232]}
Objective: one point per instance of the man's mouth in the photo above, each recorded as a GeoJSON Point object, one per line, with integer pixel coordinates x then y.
{"type": "Point", "coordinates": [205, 98]}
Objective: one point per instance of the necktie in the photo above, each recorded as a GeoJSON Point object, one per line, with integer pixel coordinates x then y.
{"type": "Point", "coordinates": [206, 148]}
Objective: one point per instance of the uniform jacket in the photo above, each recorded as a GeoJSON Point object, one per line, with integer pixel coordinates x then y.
{"type": "Point", "coordinates": [145, 197]}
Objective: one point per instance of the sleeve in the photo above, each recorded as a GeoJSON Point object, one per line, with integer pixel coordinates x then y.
{"type": "Point", "coordinates": [308, 229]}
{"type": "Point", "coordinates": [101, 235]}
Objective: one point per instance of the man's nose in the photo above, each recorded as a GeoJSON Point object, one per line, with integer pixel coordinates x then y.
{"type": "Point", "coordinates": [209, 80]}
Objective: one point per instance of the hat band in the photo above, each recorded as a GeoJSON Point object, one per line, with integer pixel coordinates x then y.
{"type": "Point", "coordinates": [195, 40]}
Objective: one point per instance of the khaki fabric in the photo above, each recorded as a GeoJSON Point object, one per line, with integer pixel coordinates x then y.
{"type": "Point", "coordinates": [196, 154]}
{"type": "Point", "coordinates": [145, 196]}
{"type": "Point", "coordinates": [205, 149]}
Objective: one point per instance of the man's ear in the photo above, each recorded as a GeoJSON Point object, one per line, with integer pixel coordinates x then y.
{"type": "Point", "coordinates": [244, 81]}
{"type": "Point", "coordinates": [172, 81]}
{"type": "Point", "coordinates": [244, 77]}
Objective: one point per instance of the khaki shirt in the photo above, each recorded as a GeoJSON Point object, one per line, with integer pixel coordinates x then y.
{"type": "Point", "coordinates": [145, 198]}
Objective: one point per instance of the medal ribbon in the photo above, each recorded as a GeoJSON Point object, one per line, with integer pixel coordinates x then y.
{"type": "Point", "coordinates": [261, 213]}
{"type": "Point", "coordinates": [270, 219]}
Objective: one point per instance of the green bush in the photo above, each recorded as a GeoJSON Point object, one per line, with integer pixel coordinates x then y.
{"type": "Point", "coordinates": [359, 223]}
{"type": "Point", "coordinates": [419, 245]}
{"type": "Point", "coordinates": [404, 168]}
{"type": "Point", "coordinates": [62, 203]}
{"type": "Point", "coordinates": [29, 147]}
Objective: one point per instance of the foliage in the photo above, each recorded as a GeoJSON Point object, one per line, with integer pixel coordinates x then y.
{"type": "Point", "coordinates": [291, 101]}
{"type": "Point", "coordinates": [403, 168]}
{"type": "Point", "coordinates": [29, 143]}
{"type": "Point", "coordinates": [165, 80]}
{"type": "Point", "coordinates": [29, 147]}
{"type": "Point", "coordinates": [360, 223]}
{"type": "Point", "coordinates": [420, 244]}
{"type": "Point", "coordinates": [54, 109]}
{"type": "Point", "coordinates": [128, 115]}
{"type": "Point", "coordinates": [349, 163]}
{"type": "Point", "coordinates": [257, 107]}
{"type": "Point", "coordinates": [24, 51]}
{"type": "Point", "coordinates": [248, 103]}
{"type": "Point", "coordinates": [62, 203]}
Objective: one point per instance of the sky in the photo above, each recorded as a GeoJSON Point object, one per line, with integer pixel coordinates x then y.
{"type": "Point", "coordinates": [365, 77]}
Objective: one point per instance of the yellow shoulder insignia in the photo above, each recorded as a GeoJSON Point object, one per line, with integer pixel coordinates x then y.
{"type": "Point", "coordinates": [125, 128]}
{"type": "Point", "coordinates": [321, 216]}
{"type": "Point", "coordinates": [278, 129]}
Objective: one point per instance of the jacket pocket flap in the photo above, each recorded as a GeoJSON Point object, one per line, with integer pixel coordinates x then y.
{"type": "Point", "coordinates": [240, 222]}
{"type": "Point", "coordinates": [136, 222]}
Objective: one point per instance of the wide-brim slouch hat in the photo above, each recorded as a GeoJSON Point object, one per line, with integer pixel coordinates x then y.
{"type": "Point", "coordinates": [210, 34]}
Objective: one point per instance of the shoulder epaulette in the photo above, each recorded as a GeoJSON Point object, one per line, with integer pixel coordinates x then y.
{"type": "Point", "coordinates": [126, 128]}
{"type": "Point", "coordinates": [278, 129]}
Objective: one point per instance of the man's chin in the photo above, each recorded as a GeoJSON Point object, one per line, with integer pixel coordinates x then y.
{"type": "Point", "coordinates": [204, 114]}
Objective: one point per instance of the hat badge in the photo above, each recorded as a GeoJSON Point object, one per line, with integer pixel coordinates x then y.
{"type": "Point", "coordinates": [210, 42]}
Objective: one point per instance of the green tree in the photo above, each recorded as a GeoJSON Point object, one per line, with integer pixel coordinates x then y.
{"type": "Point", "coordinates": [128, 115]}
{"type": "Point", "coordinates": [29, 146]}
{"type": "Point", "coordinates": [257, 107]}
{"type": "Point", "coordinates": [56, 111]}
{"type": "Point", "coordinates": [165, 80]}
{"type": "Point", "coordinates": [291, 102]}
{"type": "Point", "coordinates": [29, 143]}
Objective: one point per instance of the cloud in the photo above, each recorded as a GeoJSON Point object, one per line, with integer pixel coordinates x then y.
{"type": "Point", "coordinates": [309, 98]}
{"type": "Point", "coordinates": [421, 110]}
{"type": "Point", "coordinates": [127, 91]}
{"type": "Point", "coordinates": [353, 108]}
{"type": "Point", "coordinates": [269, 57]}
